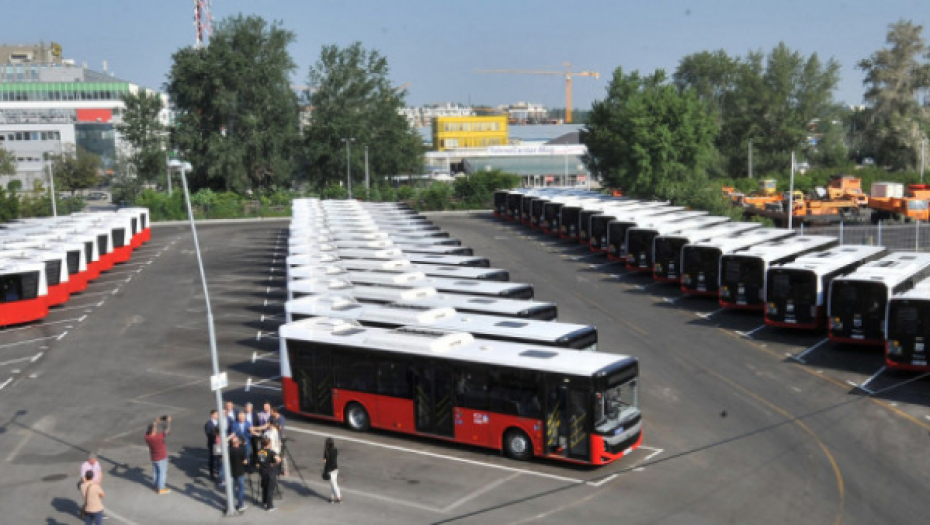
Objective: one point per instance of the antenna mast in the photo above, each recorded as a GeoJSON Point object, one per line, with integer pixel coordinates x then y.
{"type": "Point", "coordinates": [203, 22]}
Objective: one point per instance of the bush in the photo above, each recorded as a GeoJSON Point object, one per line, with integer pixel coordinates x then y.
{"type": "Point", "coordinates": [405, 193]}
{"type": "Point", "coordinates": [161, 206]}
{"type": "Point", "coordinates": [334, 192]}
{"type": "Point", "coordinates": [435, 197]}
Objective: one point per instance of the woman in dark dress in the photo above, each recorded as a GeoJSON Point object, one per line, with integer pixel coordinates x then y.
{"type": "Point", "coordinates": [331, 467]}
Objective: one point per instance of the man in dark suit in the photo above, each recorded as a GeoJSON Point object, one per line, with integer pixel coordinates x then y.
{"type": "Point", "coordinates": [212, 430]}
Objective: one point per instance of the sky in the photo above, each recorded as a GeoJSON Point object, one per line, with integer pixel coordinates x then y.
{"type": "Point", "coordinates": [437, 46]}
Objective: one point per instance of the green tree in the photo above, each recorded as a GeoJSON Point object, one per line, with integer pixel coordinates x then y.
{"type": "Point", "coordinates": [76, 172]}
{"type": "Point", "coordinates": [144, 132]}
{"type": "Point", "coordinates": [894, 77]}
{"type": "Point", "coordinates": [126, 185]}
{"type": "Point", "coordinates": [7, 162]}
{"type": "Point", "coordinates": [236, 112]}
{"type": "Point", "coordinates": [352, 97]}
{"type": "Point", "coordinates": [648, 137]}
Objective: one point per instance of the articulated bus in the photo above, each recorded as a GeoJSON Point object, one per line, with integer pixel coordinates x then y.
{"type": "Point", "coordinates": [908, 329]}
{"type": "Point", "coordinates": [617, 228]}
{"type": "Point", "coordinates": [858, 301]}
{"type": "Point", "coordinates": [581, 407]}
{"type": "Point", "coordinates": [796, 292]}
{"type": "Point", "coordinates": [507, 290]}
{"type": "Point", "coordinates": [599, 223]}
{"type": "Point", "coordinates": [667, 248]}
{"type": "Point", "coordinates": [640, 240]}
{"type": "Point", "coordinates": [52, 238]}
{"type": "Point", "coordinates": [700, 261]}
{"type": "Point", "coordinates": [432, 270]}
{"type": "Point", "coordinates": [743, 274]}
{"type": "Point", "coordinates": [527, 331]}
{"type": "Point", "coordinates": [23, 292]}
{"type": "Point", "coordinates": [476, 304]}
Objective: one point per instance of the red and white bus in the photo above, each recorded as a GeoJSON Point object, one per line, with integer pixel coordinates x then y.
{"type": "Point", "coordinates": [581, 407]}
{"type": "Point", "coordinates": [23, 292]}
{"type": "Point", "coordinates": [908, 329]}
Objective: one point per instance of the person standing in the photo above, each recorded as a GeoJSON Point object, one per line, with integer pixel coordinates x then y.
{"type": "Point", "coordinates": [331, 467]}
{"type": "Point", "coordinates": [158, 451]}
{"type": "Point", "coordinates": [93, 500]}
{"type": "Point", "coordinates": [94, 466]}
{"type": "Point", "coordinates": [267, 467]}
{"type": "Point", "coordinates": [243, 430]}
{"type": "Point", "coordinates": [237, 463]}
{"type": "Point", "coordinates": [272, 432]}
{"type": "Point", "coordinates": [212, 431]}
{"type": "Point", "coordinates": [231, 414]}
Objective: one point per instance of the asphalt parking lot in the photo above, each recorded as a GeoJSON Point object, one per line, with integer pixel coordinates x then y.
{"type": "Point", "coordinates": [743, 423]}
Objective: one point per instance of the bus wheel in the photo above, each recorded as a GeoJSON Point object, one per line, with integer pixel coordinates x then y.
{"type": "Point", "coordinates": [517, 445]}
{"type": "Point", "coordinates": [357, 417]}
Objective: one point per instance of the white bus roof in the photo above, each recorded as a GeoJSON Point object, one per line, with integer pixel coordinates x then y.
{"type": "Point", "coordinates": [890, 270]}
{"type": "Point", "coordinates": [658, 218]}
{"type": "Point", "coordinates": [419, 280]}
{"type": "Point", "coordinates": [742, 241]}
{"type": "Point", "coordinates": [778, 249]}
{"type": "Point", "coordinates": [920, 292]}
{"type": "Point", "coordinates": [404, 265]}
{"type": "Point", "coordinates": [457, 346]}
{"type": "Point", "coordinates": [726, 229]}
{"type": "Point", "coordinates": [443, 318]}
{"type": "Point", "coordinates": [359, 253]}
{"type": "Point", "coordinates": [835, 258]}
{"type": "Point", "coordinates": [660, 227]}
{"type": "Point", "coordinates": [374, 244]}
{"type": "Point", "coordinates": [311, 271]}
{"type": "Point", "coordinates": [445, 260]}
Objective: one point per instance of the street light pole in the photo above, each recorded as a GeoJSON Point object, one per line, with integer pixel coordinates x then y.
{"type": "Point", "coordinates": [227, 475]}
{"type": "Point", "coordinates": [923, 157]}
{"type": "Point", "coordinates": [168, 169]}
{"type": "Point", "coordinates": [750, 157]}
{"type": "Point", "coordinates": [791, 196]}
{"type": "Point", "coordinates": [367, 180]}
{"type": "Point", "coordinates": [349, 142]}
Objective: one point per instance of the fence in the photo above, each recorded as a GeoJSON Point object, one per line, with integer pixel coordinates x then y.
{"type": "Point", "coordinates": [896, 237]}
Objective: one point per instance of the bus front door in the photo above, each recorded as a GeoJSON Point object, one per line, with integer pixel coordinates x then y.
{"type": "Point", "coordinates": [313, 372]}
{"type": "Point", "coordinates": [566, 422]}
{"type": "Point", "coordinates": [434, 399]}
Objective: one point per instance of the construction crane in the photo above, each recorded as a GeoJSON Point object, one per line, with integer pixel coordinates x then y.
{"type": "Point", "coordinates": [568, 73]}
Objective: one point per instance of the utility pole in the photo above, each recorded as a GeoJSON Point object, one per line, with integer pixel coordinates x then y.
{"type": "Point", "coordinates": [791, 196]}
{"type": "Point", "coordinates": [923, 157]}
{"type": "Point", "coordinates": [367, 180]}
{"type": "Point", "coordinates": [168, 172]}
{"type": "Point", "coordinates": [750, 157]}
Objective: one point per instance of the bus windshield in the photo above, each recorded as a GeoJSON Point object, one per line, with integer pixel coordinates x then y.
{"type": "Point", "coordinates": [855, 297]}
{"type": "Point", "coordinates": [907, 319]}
{"type": "Point", "coordinates": [616, 403]}
{"type": "Point", "coordinates": [799, 287]}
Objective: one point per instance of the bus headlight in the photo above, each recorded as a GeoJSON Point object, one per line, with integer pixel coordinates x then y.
{"type": "Point", "coordinates": [894, 348]}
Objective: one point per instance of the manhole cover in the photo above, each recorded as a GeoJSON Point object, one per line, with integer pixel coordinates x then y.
{"type": "Point", "coordinates": [54, 477]}
{"type": "Point", "coordinates": [413, 481]}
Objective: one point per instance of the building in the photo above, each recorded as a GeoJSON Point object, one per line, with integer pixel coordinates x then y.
{"type": "Point", "coordinates": [422, 116]}
{"type": "Point", "coordinates": [452, 133]}
{"type": "Point", "coordinates": [526, 113]}
{"type": "Point", "coordinates": [50, 105]}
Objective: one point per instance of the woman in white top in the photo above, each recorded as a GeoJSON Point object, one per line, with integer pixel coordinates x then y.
{"type": "Point", "coordinates": [273, 433]}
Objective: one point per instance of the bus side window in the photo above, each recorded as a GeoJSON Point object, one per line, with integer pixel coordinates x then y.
{"type": "Point", "coordinates": [392, 379]}
{"type": "Point", "coordinates": [471, 389]}
{"type": "Point", "coordinates": [355, 371]}
{"type": "Point", "coordinates": [515, 393]}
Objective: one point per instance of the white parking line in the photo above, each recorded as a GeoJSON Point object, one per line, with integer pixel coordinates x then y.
{"type": "Point", "coordinates": [439, 456]}
{"type": "Point", "coordinates": [77, 307]}
{"type": "Point", "coordinates": [30, 358]}
{"type": "Point", "coordinates": [487, 488]}
{"type": "Point", "coordinates": [711, 314]}
{"type": "Point", "coordinates": [44, 323]}
{"type": "Point", "coordinates": [59, 336]}
{"type": "Point", "coordinates": [5, 383]}
{"type": "Point", "coordinates": [800, 357]}
{"type": "Point", "coordinates": [749, 333]}
{"type": "Point", "coordinates": [869, 380]}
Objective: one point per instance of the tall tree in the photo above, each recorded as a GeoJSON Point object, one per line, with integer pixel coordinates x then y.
{"type": "Point", "coordinates": [75, 172]}
{"type": "Point", "coordinates": [9, 202]}
{"type": "Point", "coordinates": [894, 77]}
{"type": "Point", "coordinates": [771, 99]}
{"type": "Point", "coordinates": [648, 137]}
{"type": "Point", "coordinates": [236, 111]}
{"type": "Point", "coordinates": [352, 97]}
{"type": "Point", "coordinates": [143, 131]}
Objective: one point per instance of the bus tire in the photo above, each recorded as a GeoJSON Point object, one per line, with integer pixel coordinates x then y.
{"type": "Point", "coordinates": [356, 417]}
{"type": "Point", "coordinates": [517, 445]}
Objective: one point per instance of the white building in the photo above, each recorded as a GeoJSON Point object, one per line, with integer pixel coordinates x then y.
{"type": "Point", "coordinates": [422, 116]}
{"type": "Point", "coordinates": [50, 105]}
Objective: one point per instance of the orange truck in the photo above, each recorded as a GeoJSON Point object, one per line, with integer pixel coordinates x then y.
{"type": "Point", "coordinates": [767, 194]}
{"type": "Point", "coordinates": [889, 201]}
{"type": "Point", "coordinates": [846, 187]}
